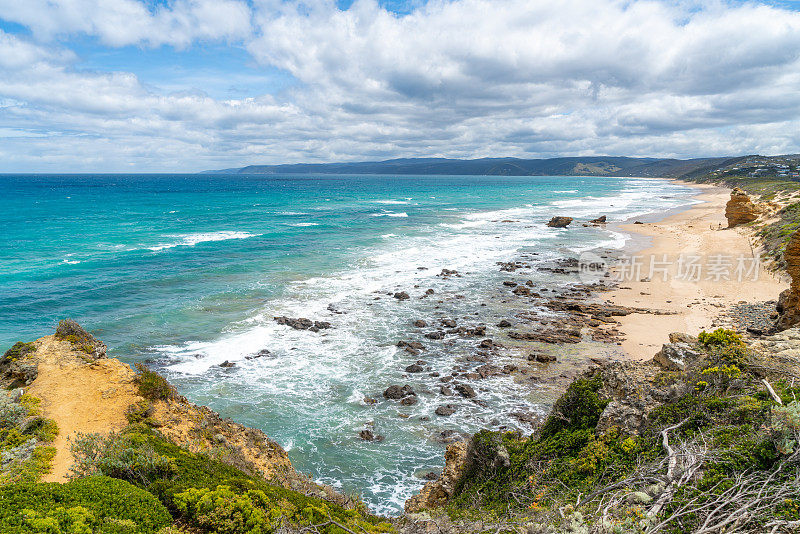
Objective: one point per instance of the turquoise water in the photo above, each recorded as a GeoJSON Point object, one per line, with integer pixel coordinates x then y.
{"type": "Point", "coordinates": [187, 271]}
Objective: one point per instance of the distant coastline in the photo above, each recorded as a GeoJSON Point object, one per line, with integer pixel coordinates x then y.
{"type": "Point", "coordinates": [566, 166]}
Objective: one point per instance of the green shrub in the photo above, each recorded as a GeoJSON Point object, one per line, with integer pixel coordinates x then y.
{"type": "Point", "coordinates": [720, 337]}
{"type": "Point", "coordinates": [19, 350]}
{"type": "Point", "coordinates": [139, 412]}
{"type": "Point", "coordinates": [106, 505]}
{"type": "Point", "coordinates": [152, 385]}
{"type": "Point", "coordinates": [225, 511]}
{"type": "Point", "coordinates": [126, 456]}
{"type": "Point", "coordinates": [73, 332]}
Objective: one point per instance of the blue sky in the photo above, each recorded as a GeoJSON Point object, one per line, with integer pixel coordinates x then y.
{"type": "Point", "coordinates": [187, 85]}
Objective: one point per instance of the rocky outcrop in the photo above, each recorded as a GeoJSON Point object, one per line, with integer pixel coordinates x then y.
{"type": "Point", "coordinates": [437, 492]}
{"type": "Point", "coordinates": [789, 300]}
{"type": "Point", "coordinates": [303, 324]}
{"type": "Point", "coordinates": [599, 220]}
{"type": "Point", "coordinates": [676, 356]}
{"type": "Point", "coordinates": [740, 209]}
{"type": "Point", "coordinates": [559, 222]}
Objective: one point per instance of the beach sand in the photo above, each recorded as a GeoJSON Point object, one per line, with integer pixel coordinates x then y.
{"type": "Point", "coordinates": [699, 231]}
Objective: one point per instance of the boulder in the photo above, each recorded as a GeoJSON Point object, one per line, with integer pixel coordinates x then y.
{"type": "Point", "coordinates": [227, 364]}
{"type": "Point", "coordinates": [559, 222]}
{"type": "Point", "coordinates": [676, 356]}
{"type": "Point", "coordinates": [504, 324]}
{"type": "Point", "coordinates": [411, 400]}
{"type": "Point", "coordinates": [740, 209]}
{"type": "Point", "coordinates": [466, 391]}
{"type": "Point", "coordinates": [419, 323]}
{"type": "Point", "coordinates": [402, 295]}
{"type": "Point", "coordinates": [599, 220]}
{"type": "Point", "coordinates": [446, 410]}
{"type": "Point", "coordinates": [395, 392]}
{"type": "Point", "coordinates": [414, 368]}
{"type": "Point", "coordinates": [628, 416]}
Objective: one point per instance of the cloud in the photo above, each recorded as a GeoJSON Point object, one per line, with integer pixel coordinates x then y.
{"type": "Point", "coordinates": [460, 78]}
{"type": "Point", "coordinates": [130, 22]}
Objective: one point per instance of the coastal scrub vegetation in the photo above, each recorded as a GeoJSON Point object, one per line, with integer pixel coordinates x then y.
{"type": "Point", "coordinates": [206, 494]}
{"type": "Point", "coordinates": [152, 385]}
{"type": "Point", "coordinates": [718, 454]}
{"type": "Point", "coordinates": [25, 439]}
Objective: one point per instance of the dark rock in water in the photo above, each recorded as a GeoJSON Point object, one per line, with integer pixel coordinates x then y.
{"type": "Point", "coordinates": [543, 358]}
{"type": "Point", "coordinates": [599, 220]}
{"type": "Point", "coordinates": [416, 345]}
{"type": "Point", "coordinates": [396, 392]}
{"type": "Point", "coordinates": [448, 272]}
{"type": "Point", "coordinates": [263, 353]}
{"type": "Point", "coordinates": [411, 400]}
{"type": "Point", "coordinates": [303, 324]}
{"type": "Point", "coordinates": [509, 283]}
{"type": "Point", "coordinates": [435, 374]}
{"type": "Point", "coordinates": [402, 295]}
{"type": "Point", "coordinates": [638, 222]}
{"type": "Point", "coordinates": [444, 390]}
{"type": "Point", "coordinates": [446, 410]}
{"type": "Point", "coordinates": [368, 435]}
{"type": "Point", "coordinates": [559, 222]}
{"type": "Point", "coordinates": [504, 324]}
{"type": "Point", "coordinates": [429, 292]}
{"type": "Point", "coordinates": [449, 323]}
{"type": "Point", "coordinates": [486, 344]}
{"type": "Point", "coordinates": [466, 391]}
{"type": "Point", "coordinates": [509, 368]}
{"type": "Point", "coordinates": [226, 363]}
{"type": "Point", "coordinates": [419, 323]}
{"type": "Point", "coordinates": [414, 368]}
{"type": "Point", "coordinates": [370, 400]}
{"type": "Point", "coordinates": [435, 335]}
{"type": "Point", "coordinates": [430, 475]}
{"type": "Point", "coordinates": [549, 336]}
{"type": "Point", "coordinates": [485, 371]}
{"type": "Point", "coordinates": [524, 291]}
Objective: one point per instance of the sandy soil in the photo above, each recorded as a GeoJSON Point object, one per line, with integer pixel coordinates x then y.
{"type": "Point", "coordinates": [81, 397]}
{"type": "Point", "coordinates": [697, 232]}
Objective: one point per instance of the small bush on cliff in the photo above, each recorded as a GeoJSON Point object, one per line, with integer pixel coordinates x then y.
{"type": "Point", "coordinates": [19, 350]}
{"type": "Point", "coordinates": [720, 337]}
{"type": "Point", "coordinates": [152, 385]}
{"type": "Point", "coordinates": [126, 456]}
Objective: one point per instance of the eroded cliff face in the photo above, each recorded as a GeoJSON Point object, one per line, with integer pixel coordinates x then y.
{"type": "Point", "coordinates": [789, 300]}
{"type": "Point", "coordinates": [740, 209]}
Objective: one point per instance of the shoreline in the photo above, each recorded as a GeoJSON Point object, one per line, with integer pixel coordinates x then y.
{"type": "Point", "coordinates": [699, 231]}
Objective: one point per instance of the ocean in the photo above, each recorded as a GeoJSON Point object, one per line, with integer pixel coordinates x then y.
{"type": "Point", "coordinates": [188, 271]}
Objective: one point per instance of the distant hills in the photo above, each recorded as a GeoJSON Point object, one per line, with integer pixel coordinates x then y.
{"type": "Point", "coordinates": [576, 166]}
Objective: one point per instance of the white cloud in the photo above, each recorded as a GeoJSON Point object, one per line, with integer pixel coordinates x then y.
{"type": "Point", "coordinates": [461, 78]}
{"type": "Point", "coordinates": [130, 22]}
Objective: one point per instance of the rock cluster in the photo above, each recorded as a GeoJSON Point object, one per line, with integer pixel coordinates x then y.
{"type": "Point", "coordinates": [303, 324]}
{"type": "Point", "coordinates": [740, 209]}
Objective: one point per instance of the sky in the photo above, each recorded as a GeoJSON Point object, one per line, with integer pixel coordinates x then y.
{"type": "Point", "coordinates": [189, 85]}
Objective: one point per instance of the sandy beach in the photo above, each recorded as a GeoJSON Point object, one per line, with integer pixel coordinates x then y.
{"type": "Point", "coordinates": [708, 267]}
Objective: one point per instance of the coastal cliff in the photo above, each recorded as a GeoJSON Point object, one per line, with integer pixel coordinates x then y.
{"type": "Point", "coordinates": [89, 445]}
